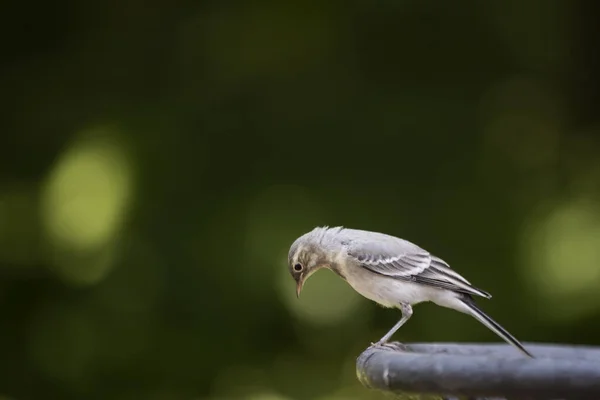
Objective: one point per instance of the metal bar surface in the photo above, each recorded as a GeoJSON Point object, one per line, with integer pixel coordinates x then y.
{"type": "Point", "coordinates": [483, 371]}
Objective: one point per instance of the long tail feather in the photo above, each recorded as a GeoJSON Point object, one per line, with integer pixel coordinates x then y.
{"type": "Point", "coordinates": [494, 326]}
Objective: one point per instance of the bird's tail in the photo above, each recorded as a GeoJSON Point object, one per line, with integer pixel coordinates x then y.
{"type": "Point", "coordinates": [493, 325]}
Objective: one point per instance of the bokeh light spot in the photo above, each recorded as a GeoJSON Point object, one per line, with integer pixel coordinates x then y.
{"type": "Point", "coordinates": [325, 300]}
{"type": "Point", "coordinates": [87, 193]}
{"type": "Point", "coordinates": [276, 217]}
{"type": "Point", "coordinates": [84, 267]}
{"type": "Point", "coordinates": [84, 203]}
{"type": "Point", "coordinates": [562, 258]}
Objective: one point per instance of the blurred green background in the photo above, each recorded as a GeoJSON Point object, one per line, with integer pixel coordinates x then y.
{"type": "Point", "coordinates": [157, 161]}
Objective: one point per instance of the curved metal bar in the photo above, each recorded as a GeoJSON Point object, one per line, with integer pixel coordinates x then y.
{"type": "Point", "coordinates": [477, 370]}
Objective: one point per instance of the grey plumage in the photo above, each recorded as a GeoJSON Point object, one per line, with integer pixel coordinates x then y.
{"type": "Point", "coordinates": [400, 259]}
{"type": "Point", "coordinates": [389, 270]}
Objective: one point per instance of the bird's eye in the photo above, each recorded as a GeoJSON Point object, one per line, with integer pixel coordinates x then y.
{"type": "Point", "coordinates": [298, 267]}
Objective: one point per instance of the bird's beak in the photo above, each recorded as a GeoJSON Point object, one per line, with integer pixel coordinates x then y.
{"type": "Point", "coordinates": [299, 284]}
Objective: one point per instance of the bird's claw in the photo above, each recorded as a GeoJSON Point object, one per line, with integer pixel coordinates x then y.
{"type": "Point", "coordinates": [387, 345]}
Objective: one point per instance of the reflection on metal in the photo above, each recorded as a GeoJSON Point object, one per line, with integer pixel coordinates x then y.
{"type": "Point", "coordinates": [482, 371]}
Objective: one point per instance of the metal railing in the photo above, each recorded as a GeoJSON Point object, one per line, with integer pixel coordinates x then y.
{"type": "Point", "coordinates": [483, 371]}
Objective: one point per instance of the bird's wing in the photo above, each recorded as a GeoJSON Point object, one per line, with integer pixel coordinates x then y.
{"type": "Point", "coordinates": [401, 259]}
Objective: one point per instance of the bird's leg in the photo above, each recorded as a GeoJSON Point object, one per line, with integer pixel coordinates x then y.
{"type": "Point", "coordinates": [406, 311]}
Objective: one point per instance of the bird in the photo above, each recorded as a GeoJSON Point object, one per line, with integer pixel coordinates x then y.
{"type": "Point", "coordinates": [390, 271]}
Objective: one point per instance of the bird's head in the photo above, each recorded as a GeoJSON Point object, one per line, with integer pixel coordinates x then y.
{"type": "Point", "coordinates": [304, 259]}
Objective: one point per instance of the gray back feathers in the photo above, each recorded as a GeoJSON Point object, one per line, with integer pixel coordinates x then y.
{"type": "Point", "coordinates": [389, 256]}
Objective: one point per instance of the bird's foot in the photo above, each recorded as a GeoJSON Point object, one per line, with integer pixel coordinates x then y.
{"type": "Point", "coordinates": [387, 345]}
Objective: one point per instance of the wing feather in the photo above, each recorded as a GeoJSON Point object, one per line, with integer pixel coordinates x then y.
{"type": "Point", "coordinates": [400, 259]}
